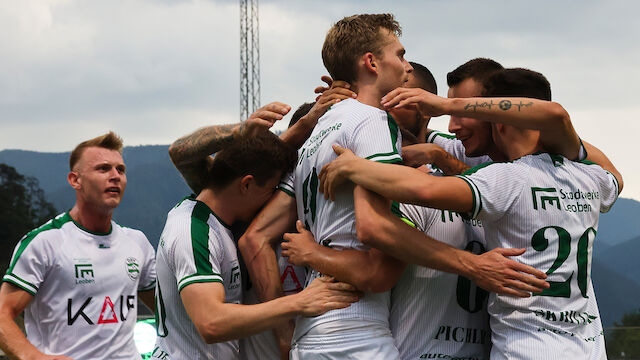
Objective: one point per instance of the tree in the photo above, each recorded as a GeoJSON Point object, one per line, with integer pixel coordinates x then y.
{"type": "Point", "coordinates": [625, 338]}
{"type": "Point", "coordinates": [23, 207]}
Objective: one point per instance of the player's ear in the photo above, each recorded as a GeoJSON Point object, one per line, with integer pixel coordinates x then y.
{"type": "Point", "coordinates": [370, 62]}
{"type": "Point", "coordinates": [73, 179]}
{"type": "Point", "coordinates": [245, 183]}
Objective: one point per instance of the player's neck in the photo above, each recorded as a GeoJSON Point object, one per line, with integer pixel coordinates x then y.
{"type": "Point", "coordinates": [369, 94]}
{"type": "Point", "coordinates": [221, 203]}
{"type": "Point", "coordinates": [520, 146]}
{"type": "Point", "coordinates": [91, 218]}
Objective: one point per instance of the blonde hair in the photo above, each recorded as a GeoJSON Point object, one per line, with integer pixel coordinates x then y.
{"type": "Point", "coordinates": [352, 37]}
{"type": "Point", "coordinates": [109, 141]}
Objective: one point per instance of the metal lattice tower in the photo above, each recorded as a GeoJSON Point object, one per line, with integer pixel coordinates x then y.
{"type": "Point", "coordinates": [249, 58]}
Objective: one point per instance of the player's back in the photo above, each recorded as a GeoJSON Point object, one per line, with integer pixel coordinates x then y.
{"type": "Point", "coordinates": [550, 206]}
{"type": "Point", "coordinates": [370, 133]}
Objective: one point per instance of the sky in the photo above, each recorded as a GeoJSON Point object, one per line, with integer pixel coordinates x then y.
{"type": "Point", "coordinates": [154, 70]}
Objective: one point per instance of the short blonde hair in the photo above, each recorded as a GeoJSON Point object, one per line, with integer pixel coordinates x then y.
{"type": "Point", "coordinates": [352, 37]}
{"type": "Point", "coordinates": [109, 141]}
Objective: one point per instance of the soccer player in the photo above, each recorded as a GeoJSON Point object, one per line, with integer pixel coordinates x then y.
{"type": "Point", "coordinates": [540, 201]}
{"type": "Point", "coordinates": [199, 281]}
{"type": "Point", "coordinates": [78, 276]}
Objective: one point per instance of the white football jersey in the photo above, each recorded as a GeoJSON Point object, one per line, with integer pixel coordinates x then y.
{"type": "Point", "coordinates": [454, 147]}
{"type": "Point", "coordinates": [435, 314]}
{"type": "Point", "coordinates": [84, 287]}
{"type": "Point", "coordinates": [370, 133]}
{"type": "Point", "coordinates": [195, 247]}
{"type": "Point", "coordinates": [550, 206]}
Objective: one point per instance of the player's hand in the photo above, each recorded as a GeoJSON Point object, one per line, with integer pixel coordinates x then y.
{"type": "Point", "coordinates": [298, 247]}
{"type": "Point", "coordinates": [495, 272]}
{"type": "Point", "coordinates": [320, 89]}
{"type": "Point", "coordinates": [338, 91]}
{"type": "Point", "coordinates": [332, 174]}
{"type": "Point", "coordinates": [426, 103]}
{"type": "Point", "coordinates": [419, 154]}
{"type": "Point", "coordinates": [264, 118]}
{"type": "Point", "coordinates": [324, 294]}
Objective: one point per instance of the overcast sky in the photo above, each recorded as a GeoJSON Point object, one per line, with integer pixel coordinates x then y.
{"type": "Point", "coordinates": [154, 70]}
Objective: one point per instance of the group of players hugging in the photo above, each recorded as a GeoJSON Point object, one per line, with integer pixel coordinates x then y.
{"type": "Point", "coordinates": [366, 235]}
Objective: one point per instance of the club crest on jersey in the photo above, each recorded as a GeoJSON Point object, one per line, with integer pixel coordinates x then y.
{"type": "Point", "coordinates": [84, 273]}
{"type": "Point", "coordinates": [543, 197]}
{"type": "Point", "coordinates": [235, 277]}
{"type": "Point", "coordinates": [133, 268]}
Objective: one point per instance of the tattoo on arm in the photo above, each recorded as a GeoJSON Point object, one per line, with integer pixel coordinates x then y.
{"type": "Point", "coordinates": [191, 154]}
{"type": "Point", "coordinates": [454, 166]}
{"type": "Point", "coordinates": [503, 105]}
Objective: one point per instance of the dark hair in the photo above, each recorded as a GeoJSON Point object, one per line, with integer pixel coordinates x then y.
{"type": "Point", "coordinates": [478, 69]}
{"type": "Point", "coordinates": [425, 78]}
{"type": "Point", "coordinates": [300, 112]}
{"type": "Point", "coordinates": [262, 155]}
{"type": "Point", "coordinates": [518, 82]}
{"type": "Point", "coordinates": [109, 141]}
{"type": "Point", "coordinates": [352, 37]}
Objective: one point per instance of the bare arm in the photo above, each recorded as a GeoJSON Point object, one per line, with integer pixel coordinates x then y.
{"type": "Point", "coordinates": [256, 247]}
{"type": "Point", "coordinates": [396, 182]}
{"type": "Point", "coordinates": [218, 321]}
{"type": "Point", "coordinates": [551, 119]}
{"type": "Point", "coordinates": [597, 156]}
{"type": "Point", "coordinates": [148, 299]}
{"type": "Point", "coordinates": [420, 154]}
{"type": "Point", "coordinates": [371, 270]}
{"type": "Point", "coordinates": [493, 271]}
{"type": "Point", "coordinates": [191, 154]}
{"type": "Point", "coordinates": [12, 341]}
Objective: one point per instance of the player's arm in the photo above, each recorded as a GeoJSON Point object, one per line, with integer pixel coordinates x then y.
{"type": "Point", "coordinates": [371, 270]}
{"type": "Point", "coordinates": [218, 321]}
{"type": "Point", "coordinates": [492, 270]}
{"type": "Point", "coordinates": [13, 301]}
{"type": "Point", "coordinates": [191, 154]}
{"type": "Point", "coordinates": [420, 154]}
{"type": "Point", "coordinates": [551, 119]}
{"type": "Point", "coordinates": [300, 131]}
{"type": "Point", "coordinates": [256, 246]}
{"type": "Point", "coordinates": [397, 182]}
{"type": "Point", "coordinates": [148, 299]}
{"type": "Point", "coordinates": [597, 156]}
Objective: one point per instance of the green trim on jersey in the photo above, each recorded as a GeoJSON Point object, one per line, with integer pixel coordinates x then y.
{"type": "Point", "coordinates": [189, 197]}
{"type": "Point", "coordinates": [21, 283]}
{"type": "Point", "coordinates": [476, 168]}
{"type": "Point", "coordinates": [55, 223]}
{"type": "Point", "coordinates": [558, 160]}
{"type": "Point", "coordinates": [197, 278]}
{"type": "Point", "coordinates": [200, 238]}
{"type": "Point", "coordinates": [587, 162]}
{"type": "Point", "coordinates": [392, 156]}
{"type": "Point", "coordinates": [433, 134]}
{"type": "Point", "coordinates": [395, 210]}
{"type": "Point", "coordinates": [97, 233]}
{"type": "Point", "coordinates": [476, 205]}
{"type": "Point", "coordinates": [287, 192]}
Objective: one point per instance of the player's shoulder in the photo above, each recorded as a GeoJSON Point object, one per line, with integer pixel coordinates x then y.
{"type": "Point", "coordinates": [434, 135]}
{"type": "Point", "coordinates": [49, 231]}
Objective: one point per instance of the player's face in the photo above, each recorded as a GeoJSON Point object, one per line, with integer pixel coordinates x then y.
{"type": "Point", "coordinates": [409, 118]}
{"type": "Point", "coordinates": [101, 178]}
{"type": "Point", "coordinates": [258, 196]}
{"type": "Point", "coordinates": [393, 68]}
{"type": "Point", "coordinates": [474, 134]}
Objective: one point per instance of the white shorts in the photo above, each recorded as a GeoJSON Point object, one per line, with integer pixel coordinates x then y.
{"type": "Point", "coordinates": [356, 344]}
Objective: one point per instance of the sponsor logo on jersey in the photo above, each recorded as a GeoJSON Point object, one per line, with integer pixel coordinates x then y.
{"type": "Point", "coordinates": [570, 316]}
{"type": "Point", "coordinates": [447, 356]}
{"type": "Point", "coordinates": [547, 198]}
{"type": "Point", "coordinates": [133, 268]}
{"type": "Point", "coordinates": [108, 313]}
{"type": "Point", "coordinates": [235, 277]}
{"type": "Point", "coordinates": [542, 198]}
{"type": "Point", "coordinates": [289, 280]}
{"type": "Point", "coordinates": [160, 354]}
{"type": "Point", "coordinates": [463, 335]}
{"type": "Point", "coordinates": [84, 274]}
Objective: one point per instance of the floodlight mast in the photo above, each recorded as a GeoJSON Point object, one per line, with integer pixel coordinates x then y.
{"type": "Point", "coordinates": [249, 58]}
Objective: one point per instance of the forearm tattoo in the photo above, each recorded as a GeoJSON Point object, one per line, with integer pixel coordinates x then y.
{"type": "Point", "coordinates": [503, 105]}
{"type": "Point", "coordinates": [202, 143]}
